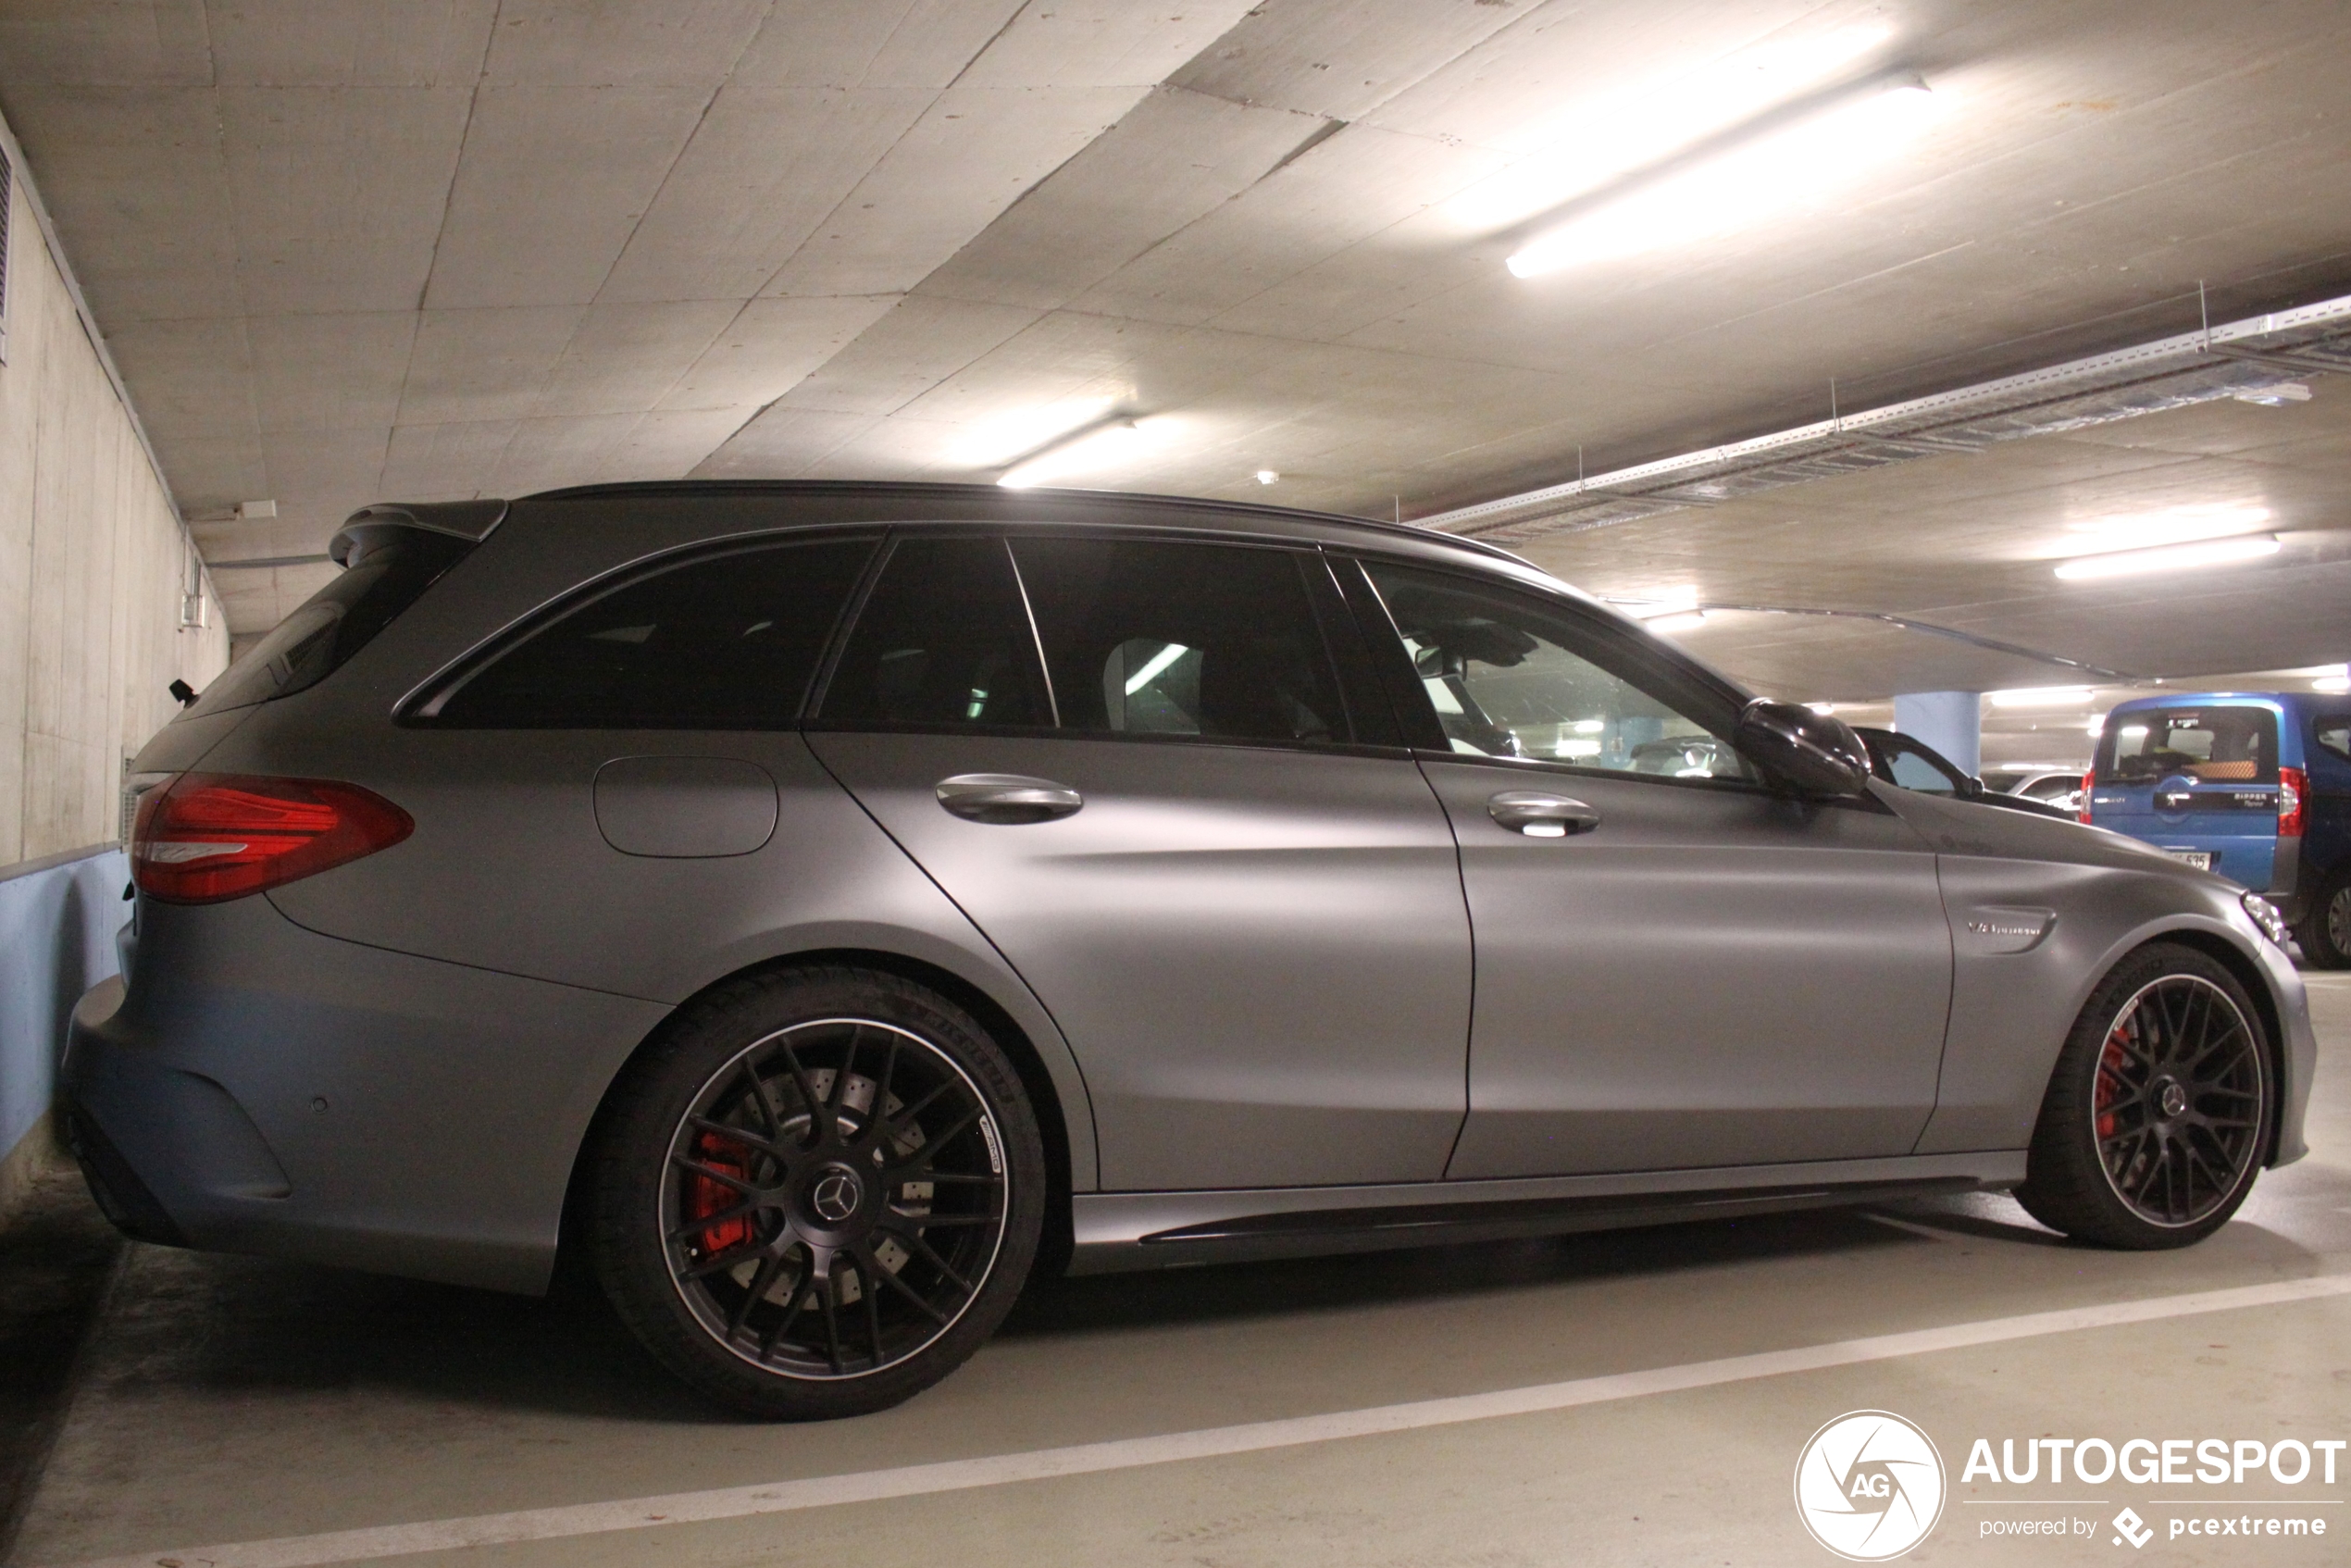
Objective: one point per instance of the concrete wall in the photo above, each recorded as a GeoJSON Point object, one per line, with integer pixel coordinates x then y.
{"type": "Point", "coordinates": [92, 564]}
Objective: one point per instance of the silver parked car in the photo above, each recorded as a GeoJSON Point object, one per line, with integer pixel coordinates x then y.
{"type": "Point", "coordinates": [822, 904]}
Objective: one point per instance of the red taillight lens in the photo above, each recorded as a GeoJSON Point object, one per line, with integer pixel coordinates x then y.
{"type": "Point", "coordinates": [2294, 789]}
{"type": "Point", "coordinates": [206, 836]}
{"type": "Point", "coordinates": [2087, 780]}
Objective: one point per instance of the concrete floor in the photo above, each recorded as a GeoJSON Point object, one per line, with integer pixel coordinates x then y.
{"type": "Point", "coordinates": [232, 1400]}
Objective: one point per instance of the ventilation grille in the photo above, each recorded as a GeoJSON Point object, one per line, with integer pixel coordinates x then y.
{"type": "Point", "coordinates": [2249, 359]}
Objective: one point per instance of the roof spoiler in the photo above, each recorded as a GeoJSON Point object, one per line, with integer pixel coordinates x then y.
{"type": "Point", "coordinates": [469, 520]}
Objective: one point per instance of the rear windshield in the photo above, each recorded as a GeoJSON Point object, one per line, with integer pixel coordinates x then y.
{"type": "Point", "coordinates": [391, 572]}
{"type": "Point", "coordinates": [2208, 744]}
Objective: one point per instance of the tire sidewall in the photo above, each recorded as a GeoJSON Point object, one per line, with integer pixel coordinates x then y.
{"type": "Point", "coordinates": [633, 1151]}
{"type": "Point", "coordinates": [2066, 1186]}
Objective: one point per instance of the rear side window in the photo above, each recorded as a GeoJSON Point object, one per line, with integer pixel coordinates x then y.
{"type": "Point", "coordinates": [2333, 732]}
{"type": "Point", "coordinates": [1211, 641]}
{"type": "Point", "coordinates": [944, 639]}
{"type": "Point", "coordinates": [2209, 745]}
{"type": "Point", "coordinates": [726, 642]}
{"type": "Point", "coordinates": [391, 573]}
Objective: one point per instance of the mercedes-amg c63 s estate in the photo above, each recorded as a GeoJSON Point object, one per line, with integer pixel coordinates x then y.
{"type": "Point", "coordinates": [819, 907]}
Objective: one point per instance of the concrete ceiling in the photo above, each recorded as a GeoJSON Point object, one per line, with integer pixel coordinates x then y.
{"type": "Point", "coordinates": [352, 249]}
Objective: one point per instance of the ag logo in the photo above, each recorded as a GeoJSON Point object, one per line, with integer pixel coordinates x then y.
{"type": "Point", "coordinates": [1869, 1486]}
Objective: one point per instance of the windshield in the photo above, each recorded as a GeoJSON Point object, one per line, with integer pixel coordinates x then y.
{"type": "Point", "coordinates": [2206, 743]}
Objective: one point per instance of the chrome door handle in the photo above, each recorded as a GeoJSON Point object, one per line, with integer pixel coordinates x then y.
{"type": "Point", "coordinates": [1540, 816]}
{"type": "Point", "coordinates": [1006, 799]}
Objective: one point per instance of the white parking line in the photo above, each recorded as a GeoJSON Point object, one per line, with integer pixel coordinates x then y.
{"type": "Point", "coordinates": [1084, 1459]}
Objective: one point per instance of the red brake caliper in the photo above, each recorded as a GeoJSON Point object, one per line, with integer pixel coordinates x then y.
{"type": "Point", "coordinates": [2109, 1089]}
{"type": "Point", "coordinates": [705, 1196]}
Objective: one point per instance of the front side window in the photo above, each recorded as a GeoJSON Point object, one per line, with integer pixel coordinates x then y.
{"type": "Point", "coordinates": [1213, 641]}
{"type": "Point", "coordinates": [2211, 745]}
{"type": "Point", "coordinates": [726, 642]}
{"type": "Point", "coordinates": [1510, 676]}
{"type": "Point", "coordinates": [943, 641]}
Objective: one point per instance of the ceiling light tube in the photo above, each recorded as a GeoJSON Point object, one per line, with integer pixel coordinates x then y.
{"type": "Point", "coordinates": [1091, 447]}
{"type": "Point", "coordinates": [1782, 165]}
{"type": "Point", "coordinates": [2169, 557]}
{"type": "Point", "coordinates": [1680, 620]}
{"type": "Point", "coordinates": [2039, 697]}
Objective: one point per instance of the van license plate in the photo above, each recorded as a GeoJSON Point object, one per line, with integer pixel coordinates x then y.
{"type": "Point", "coordinates": [2201, 859]}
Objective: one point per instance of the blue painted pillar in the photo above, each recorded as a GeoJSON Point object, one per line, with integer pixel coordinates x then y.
{"type": "Point", "coordinates": [1951, 722]}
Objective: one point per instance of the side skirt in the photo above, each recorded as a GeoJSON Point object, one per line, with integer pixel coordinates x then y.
{"type": "Point", "coordinates": [1121, 1231]}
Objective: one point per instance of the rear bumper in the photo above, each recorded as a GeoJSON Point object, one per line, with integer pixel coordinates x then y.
{"type": "Point", "coordinates": [258, 1088]}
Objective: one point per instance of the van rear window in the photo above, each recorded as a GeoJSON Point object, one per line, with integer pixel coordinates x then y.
{"type": "Point", "coordinates": [2208, 744]}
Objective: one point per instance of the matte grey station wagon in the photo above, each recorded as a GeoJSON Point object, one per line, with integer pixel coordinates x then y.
{"type": "Point", "coordinates": [818, 906]}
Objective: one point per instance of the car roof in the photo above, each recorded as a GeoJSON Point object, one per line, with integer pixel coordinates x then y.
{"type": "Point", "coordinates": [2190, 699]}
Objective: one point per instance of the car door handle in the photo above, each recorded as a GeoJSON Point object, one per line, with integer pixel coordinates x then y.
{"type": "Point", "coordinates": [1007, 799]}
{"type": "Point", "coordinates": [1540, 816]}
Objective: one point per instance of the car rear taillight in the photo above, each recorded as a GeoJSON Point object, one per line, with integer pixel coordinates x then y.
{"type": "Point", "coordinates": [2088, 779]}
{"type": "Point", "coordinates": [206, 836]}
{"type": "Point", "coordinates": [2294, 788]}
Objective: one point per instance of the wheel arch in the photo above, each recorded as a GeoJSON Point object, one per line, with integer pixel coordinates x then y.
{"type": "Point", "coordinates": [1045, 1098]}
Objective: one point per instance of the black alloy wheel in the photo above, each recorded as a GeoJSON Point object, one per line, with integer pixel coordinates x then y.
{"type": "Point", "coordinates": [822, 1195]}
{"type": "Point", "coordinates": [2159, 1113]}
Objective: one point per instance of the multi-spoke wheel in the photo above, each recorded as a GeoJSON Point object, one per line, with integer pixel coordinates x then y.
{"type": "Point", "coordinates": [2158, 1114]}
{"type": "Point", "coordinates": [819, 1193]}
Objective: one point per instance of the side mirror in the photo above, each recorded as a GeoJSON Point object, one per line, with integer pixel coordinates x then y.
{"type": "Point", "coordinates": [1974, 789]}
{"type": "Point", "coordinates": [1812, 753]}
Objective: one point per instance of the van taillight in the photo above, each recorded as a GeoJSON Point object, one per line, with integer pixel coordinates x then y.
{"type": "Point", "coordinates": [207, 837]}
{"type": "Point", "coordinates": [2294, 788]}
{"type": "Point", "coordinates": [2088, 780]}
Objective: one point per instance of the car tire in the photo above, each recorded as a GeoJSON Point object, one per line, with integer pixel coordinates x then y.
{"type": "Point", "coordinates": [2159, 1113]}
{"type": "Point", "coordinates": [817, 1192]}
{"type": "Point", "coordinates": [2325, 935]}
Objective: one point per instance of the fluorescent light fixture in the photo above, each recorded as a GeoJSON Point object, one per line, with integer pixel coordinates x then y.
{"type": "Point", "coordinates": [1015, 433]}
{"type": "Point", "coordinates": [2169, 557]}
{"type": "Point", "coordinates": [1153, 667]}
{"type": "Point", "coordinates": [1567, 748]}
{"type": "Point", "coordinates": [1097, 446]}
{"type": "Point", "coordinates": [2334, 685]}
{"type": "Point", "coordinates": [1781, 167]}
{"type": "Point", "coordinates": [2097, 726]}
{"type": "Point", "coordinates": [1822, 707]}
{"type": "Point", "coordinates": [1588, 726]}
{"type": "Point", "coordinates": [1267, 476]}
{"type": "Point", "coordinates": [1681, 620]}
{"type": "Point", "coordinates": [2039, 696]}
{"type": "Point", "coordinates": [2174, 525]}
{"type": "Point", "coordinates": [1678, 600]}
{"type": "Point", "coordinates": [1574, 153]}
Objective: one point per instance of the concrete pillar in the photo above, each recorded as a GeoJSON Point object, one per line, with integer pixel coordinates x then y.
{"type": "Point", "coordinates": [1951, 722]}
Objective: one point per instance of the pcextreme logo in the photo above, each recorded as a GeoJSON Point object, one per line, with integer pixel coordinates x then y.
{"type": "Point", "coordinates": [1869, 1486]}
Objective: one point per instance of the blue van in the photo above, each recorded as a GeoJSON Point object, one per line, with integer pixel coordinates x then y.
{"type": "Point", "coordinates": [2255, 786]}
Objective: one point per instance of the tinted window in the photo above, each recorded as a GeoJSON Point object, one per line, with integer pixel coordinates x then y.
{"type": "Point", "coordinates": [2332, 731]}
{"type": "Point", "coordinates": [2211, 745]}
{"type": "Point", "coordinates": [1510, 676]}
{"type": "Point", "coordinates": [944, 640]}
{"type": "Point", "coordinates": [1216, 641]}
{"type": "Point", "coordinates": [726, 642]}
{"type": "Point", "coordinates": [390, 572]}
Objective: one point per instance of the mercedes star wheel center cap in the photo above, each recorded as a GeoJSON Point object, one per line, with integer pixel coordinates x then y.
{"type": "Point", "coordinates": [836, 1196]}
{"type": "Point", "coordinates": [2172, 1099]}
